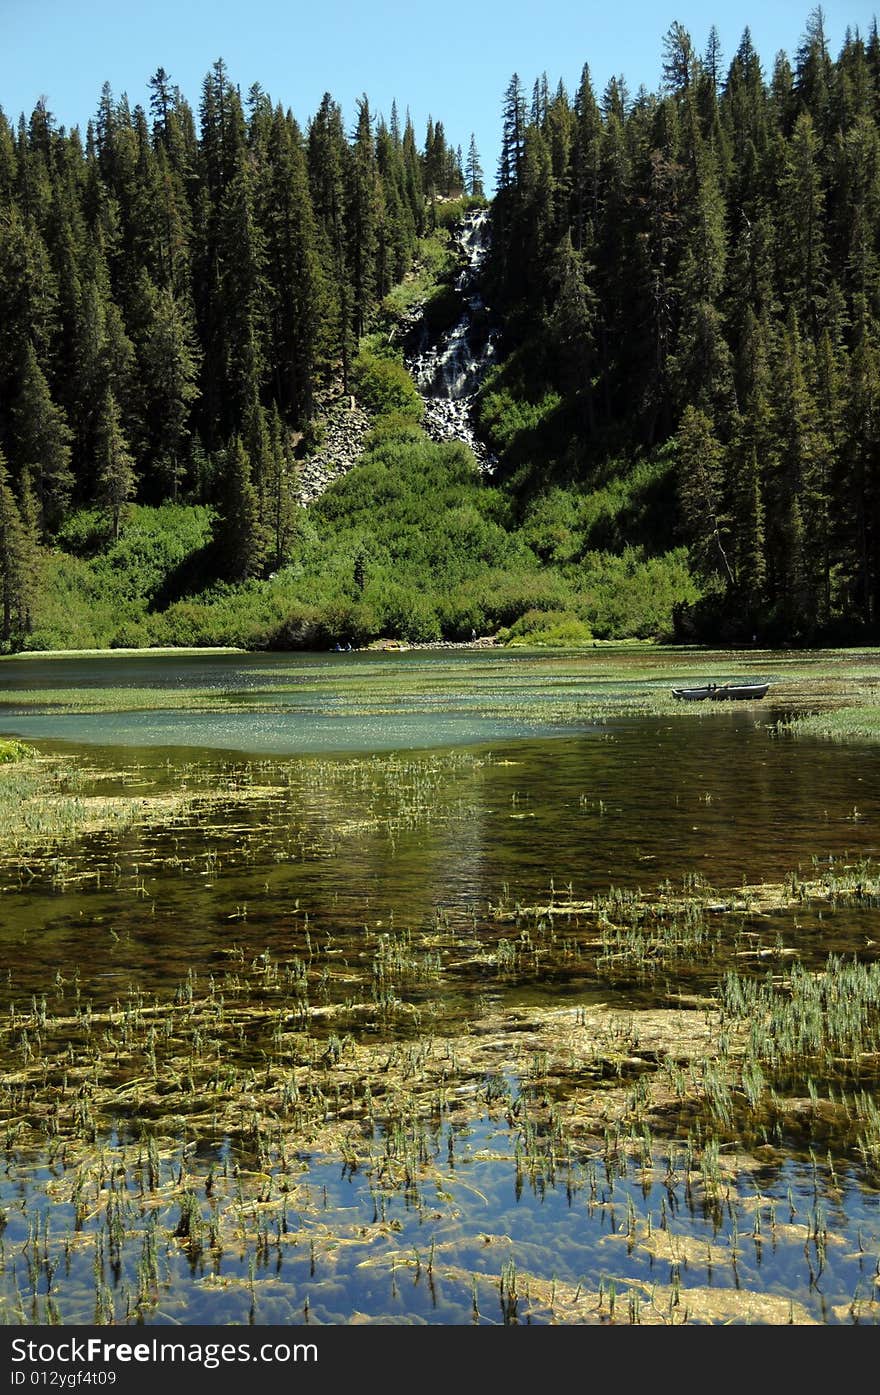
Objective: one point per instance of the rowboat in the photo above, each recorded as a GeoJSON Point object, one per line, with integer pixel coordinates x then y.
{"type": "Point", "coordinates": [722, 692]}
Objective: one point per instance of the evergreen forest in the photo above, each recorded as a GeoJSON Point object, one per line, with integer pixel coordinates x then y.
{"type": "Point", "coordinates": [683, 412]}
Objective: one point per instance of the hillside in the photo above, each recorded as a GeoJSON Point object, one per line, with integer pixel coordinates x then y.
{"type": "Point", "coordinates": [210, 428]}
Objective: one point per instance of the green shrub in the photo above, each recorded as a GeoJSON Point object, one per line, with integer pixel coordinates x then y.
{"type": "Point", "coordinates": [557, 629]}
{"type": "Point", "coordinates": [405, 613]}
{"type": "Point", "coordinates": [131, 636]}
{"type": "Point", "coordinates": [553, 526]}
{"type": "Point", "coordinates": [503, 416]}
{"type": "Point", "coordinates": [628, 595]}
{"type": "Point", "coordinates": [383, 385]}
{"type": "Point", "coordinates": [494, 597]}
{"type": "Point", "coordinates": [435, 264]}
{"type": "Point", "coordinates": [449, 212]}
{"type": "Point", "coordinates": [394, 426]}
{"type": "Point", "coordinates": [11, 751]}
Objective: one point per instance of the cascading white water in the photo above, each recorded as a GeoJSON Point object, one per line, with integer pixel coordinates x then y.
{"type": "Point", "coordinates": [448, 373]}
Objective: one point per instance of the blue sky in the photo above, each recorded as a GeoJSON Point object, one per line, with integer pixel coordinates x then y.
{"type": "Point", "coordinates": [449, 59]}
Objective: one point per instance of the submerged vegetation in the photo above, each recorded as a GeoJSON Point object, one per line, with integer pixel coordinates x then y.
{"type": "Point", "coordinates": [249, 1077]}
{"type": "Point", "coordinates": [273, 1130]}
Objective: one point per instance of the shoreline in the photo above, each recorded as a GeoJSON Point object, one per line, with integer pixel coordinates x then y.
{"type": "Point", "coordinates": [170, 649]}
{"type": "Point", "coordinates": [376, 646]}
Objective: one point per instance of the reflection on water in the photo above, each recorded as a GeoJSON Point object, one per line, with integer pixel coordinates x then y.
{"type": "Point", "coordinates": [434, 818]}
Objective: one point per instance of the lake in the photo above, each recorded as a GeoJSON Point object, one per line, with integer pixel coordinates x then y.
{"type": "Point", "coordinates": [404, 987]}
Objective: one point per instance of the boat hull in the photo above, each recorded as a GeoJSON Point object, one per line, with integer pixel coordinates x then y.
{"type": "Point", "coordinates": [723, 692]}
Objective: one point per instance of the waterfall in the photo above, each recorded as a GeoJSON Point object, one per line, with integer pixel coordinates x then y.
{"type": "Point", "coordinates": [448, 373]}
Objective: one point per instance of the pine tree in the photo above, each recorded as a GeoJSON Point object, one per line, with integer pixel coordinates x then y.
{"type": "Point", "coordinates": [280, 509]}
{"type": "Point", "coordinates": [242, 297]}
{"type": "Point", "coordinates": [42, 437]}
{"type": "Point", "coordinates": [752, 467]}
{"type": "Point", "coordinates": [700, 472]}
{"type": "Point", "coordinates": [679, 60]}
{"type": "Point", "coordinates": [572, 322]}
{"type": "Point", "coordinates": [295, 295]}
{"type": "Point", "coordinates": [512, 134]}
{"type": "Point", "coordinates": [32, 555]}
{"type": "Point", "coordinates": [28, 296]}
{"type": "Point", "coordinates": [474, 170]}
{"type": "Point", "coordinates": [170, 364]}
{"type": "Point", "coordinates": [585, 211]}
{"type": "Point", "coordinates": [14, 602]}
{"type": "Point", "coordinates": [362, 218]}
{"type": "Point", "coordinates": [813, 70]}
{"type": "Point", "coordinates": [239, 534]}
{"type": "Point", "coordinates": [747, 553]}
{"type": "Point", "coordinates": [798, 510]}
{"type": "Point", "coordinates": [116, 479]}
{"type": "Point", "coordinates": [329, 157]}
{"type": "Point", "coordinates": [412, 176]}
{"type": "Point", "coordinates": [802, 238]}
{"type": "Point", "coordinates": [858, 494]}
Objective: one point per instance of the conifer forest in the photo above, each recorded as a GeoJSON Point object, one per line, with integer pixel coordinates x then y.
{"type": "Point", "coordinates": [681, 412]}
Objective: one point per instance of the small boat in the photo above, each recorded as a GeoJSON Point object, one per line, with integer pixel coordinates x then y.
{"type": "Point", "coordinates": [722, 692]}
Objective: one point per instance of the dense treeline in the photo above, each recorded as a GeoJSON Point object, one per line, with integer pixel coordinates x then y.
{"type": "Point", "coordinates": [701, 266]}
{"type": "Point", "coordinates": [175, 290]}
{"type": "Point", "coordinates": [688, 288]}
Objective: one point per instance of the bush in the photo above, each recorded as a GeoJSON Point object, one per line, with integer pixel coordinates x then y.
{"type": "Point", "coordinates": [405, 613]}
{"type": "Point", "coordinates": [383, 385]}
{"type": "Point", "coordinates": [394, 426]}
{"type": "Point", "coordinates": [630, 596]}
{"type": "Point", "coordinates": [557, 629]}
{"type": "Point", "coordinates": [504, 416]}
{"type": "Point", "coordinates": [552, 526]}
{"type": "Point", "coordinates": [436, 264]}
{"type": "Point", "coordinates": [131, 636]}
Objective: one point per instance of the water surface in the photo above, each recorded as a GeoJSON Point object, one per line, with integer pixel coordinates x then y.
{"type": "Point", "coordinates": [377, 797]}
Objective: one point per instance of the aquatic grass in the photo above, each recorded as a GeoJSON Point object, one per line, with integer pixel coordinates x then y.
{"type": "Point", "coordinates": [602, 679]}
{"type": "Point", "coordinates": [857, 723]}
{"type": "Point", "coordinates": [319, 1044]}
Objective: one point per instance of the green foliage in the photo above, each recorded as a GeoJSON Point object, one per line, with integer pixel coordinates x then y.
{"type": "Point", "coordinates": [699, 266]}
{"type": "Point", "coordinates": [12, 751]}
{"type": "Point", "coordinates": [96, 593]}
{"type": "Point", "coordinates": [383, 385]}
{"type": "Point", "coordinates": [562, 525]}
{"type": "Point", "coordinates": [155, 542]}
{"type": "Point", "coordinates": [427, 281]}
{"type": "Point", "coordinates": [551, 629]}
{"type": "Point", "coordinates": [394, 426]}
{"type": "Point", "coordinates": [410, 544]}
{"type": "Point", "coordinates": [448, 212]}
{"type": "Point", "coordinates": [505, 415]}
{"type": "Point", "coordinates": [628, 595]}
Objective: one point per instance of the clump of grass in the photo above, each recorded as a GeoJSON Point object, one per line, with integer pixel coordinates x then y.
{"type": "Point", "coordinates": [11, 752]}
{"type": "Point", "coordinates": [860, 722]}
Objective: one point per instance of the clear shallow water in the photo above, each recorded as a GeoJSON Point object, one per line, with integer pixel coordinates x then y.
{"type": "Point", "coordinates": [584, 1229]}
{"type": "Point", "coordinates": [300, 704]}
{"type": "Point", "coordinates": [304, 732]}
{"type": "Point", "coordinates": [631, 805]}
{"type": "Point", "coordinates": [376, 839]}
